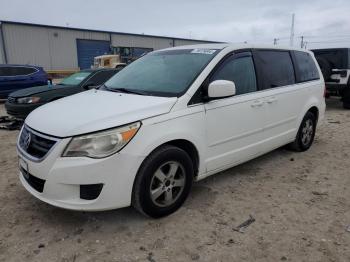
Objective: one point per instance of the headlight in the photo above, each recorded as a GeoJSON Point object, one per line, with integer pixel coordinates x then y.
{"type": "Point", "coordinates": [101, 144]}
{"type": "Point", "coordinates": [28, 100]}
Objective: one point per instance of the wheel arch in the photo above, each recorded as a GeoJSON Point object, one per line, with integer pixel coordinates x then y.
{"type": "Point", "coordinates": [189, 148]}
{"type": "Point", "coordinates": [315, 111]}
{"type": "Point", "coordinates": [186, 145]}
{"type": "Point", "coordinates": [314, 107]}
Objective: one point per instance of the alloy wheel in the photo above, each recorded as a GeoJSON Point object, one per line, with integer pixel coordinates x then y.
{"type": "Point", "coordinates": [307, 132]}
{"type": "Point", "coordinates": [167, 183]}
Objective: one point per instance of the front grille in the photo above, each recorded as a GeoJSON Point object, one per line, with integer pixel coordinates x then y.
{"type": "Point", "coordinates": [35, 144]}
{"type": "Point", "coordinates": [11, 100]}
{"type": "Point", "coordinates": [34, 182]}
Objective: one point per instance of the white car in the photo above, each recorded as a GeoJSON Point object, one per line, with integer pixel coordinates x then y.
{"type": "Point", "coordinates": [170, 118]}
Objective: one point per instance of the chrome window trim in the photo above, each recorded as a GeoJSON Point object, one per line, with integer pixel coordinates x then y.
{"type": "Point", "coordinates": [35, 71]}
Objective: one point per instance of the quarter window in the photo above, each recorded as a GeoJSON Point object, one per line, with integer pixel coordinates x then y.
{"type": "Point", "coordinates": [306, 67]}
{"type": "Point", "coordinates": [240, 71]}
{"type": "Point", "coordinates": [275, 68]}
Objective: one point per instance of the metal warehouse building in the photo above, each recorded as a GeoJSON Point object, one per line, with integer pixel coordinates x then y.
{"type": "Point", "coordinates": [64, 48]}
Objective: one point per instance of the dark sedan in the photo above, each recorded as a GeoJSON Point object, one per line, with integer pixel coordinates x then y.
{"type": "Point", "coordinates": [20, 103]}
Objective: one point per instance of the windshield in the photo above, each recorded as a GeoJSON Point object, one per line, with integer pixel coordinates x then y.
{"type": "Point", "coordinates": [75, 79]}
{"type": "Point", "coordinates": [336, 58]}
{"type": "Point", "coordinates": [163, 73]}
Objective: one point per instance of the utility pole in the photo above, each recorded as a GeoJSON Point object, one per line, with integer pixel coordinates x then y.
{"type": "Point", "coordinates": [291, 43]}
{"type": "Point", "coordinates": [302, 42]}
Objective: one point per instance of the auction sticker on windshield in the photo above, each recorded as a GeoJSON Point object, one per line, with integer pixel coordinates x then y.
{"type": "Point", "coordinates": [203, 51]}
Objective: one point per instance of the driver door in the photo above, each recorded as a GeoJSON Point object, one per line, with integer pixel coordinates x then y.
{"type": "Point", "coordinates": [235, 125]}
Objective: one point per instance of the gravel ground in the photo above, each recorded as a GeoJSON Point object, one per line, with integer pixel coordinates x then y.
{"type": "Point", "coordinates": [300, 202]}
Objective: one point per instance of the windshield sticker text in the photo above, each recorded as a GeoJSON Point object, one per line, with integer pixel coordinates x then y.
{"type": "Point", "coordinates": [203, 51]}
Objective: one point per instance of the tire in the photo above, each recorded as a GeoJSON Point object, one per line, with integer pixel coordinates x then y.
{"type": "Point", "coordinates": [170, 188]}
{"type": "Point", "coordinates": [346, 105]}
{"type": "Point", "coordinates": [306, 133]}
{"type": "Point", "coordinates": [346, 97]}
{"type": "Point", "coordinates": [325, 67]}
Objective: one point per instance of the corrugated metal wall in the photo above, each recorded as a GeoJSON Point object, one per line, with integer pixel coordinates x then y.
{"type": "Point", "coordinates": [2, 55]}
{"type": "Point", "coordinates": [180, 42]}
{"type": "Point", "coordinates": [149, 42]}
{"type": "Point", "coordinates": [56, 48]}
{"type": "Point", "coordinates": [141, 41]}
{"type": "Point", "coordinates": [51, 48]}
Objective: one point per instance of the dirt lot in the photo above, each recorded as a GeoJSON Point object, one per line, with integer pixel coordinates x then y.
{"type": "Point", "coordinates": [301, 203]}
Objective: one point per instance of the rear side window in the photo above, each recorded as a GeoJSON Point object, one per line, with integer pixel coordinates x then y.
{"type": "Point", "coordinates": [240, 71]}
{"type": "Point", "coordinates": [305, 66]}
{"type": "Point", "coordinates": [4, 71]}
{"type": "Point", "coordinates": [275, 68]}
{"type": "Point", "coordinates": [23, 70]}
{"type": "Point", "coordinates": [16, 71]}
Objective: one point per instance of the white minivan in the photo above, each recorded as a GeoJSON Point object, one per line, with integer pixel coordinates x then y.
{"type": "Point", "coordinates": [170, 118]}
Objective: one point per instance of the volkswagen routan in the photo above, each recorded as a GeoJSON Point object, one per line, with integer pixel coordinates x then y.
{"type": "Point", "coordinates": [170, 118]}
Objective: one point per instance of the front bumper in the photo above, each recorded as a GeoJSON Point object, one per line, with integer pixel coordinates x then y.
{"type": "Point", "coordinates": [20, 111]}
{"type": "Point", "coordinates": [64, 176]}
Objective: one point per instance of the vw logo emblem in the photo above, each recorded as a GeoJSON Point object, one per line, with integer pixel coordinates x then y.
{"type": "Point", "coordinates": [27, 140]}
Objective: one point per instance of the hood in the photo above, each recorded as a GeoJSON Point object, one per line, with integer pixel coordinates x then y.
{"type": "Point", "coordinates": [95, 110]}
{"type": "Point", "coordinates": [35, 90]}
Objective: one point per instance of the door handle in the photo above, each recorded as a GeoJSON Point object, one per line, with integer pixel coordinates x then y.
{"type": "Point", "coordinates": [271, 100]}
{"type": "Point", "coordinates": [257, 103]}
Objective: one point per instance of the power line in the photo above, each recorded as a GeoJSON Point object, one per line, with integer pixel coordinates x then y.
{"type": "Point", "coordinates": [304, 42]}
{"type": "Point", "coordinates": [329, 41]}
{"type": "Point", "coordinates": [325, 36]}
{"type": "Point", "coordinates": [309, 36]}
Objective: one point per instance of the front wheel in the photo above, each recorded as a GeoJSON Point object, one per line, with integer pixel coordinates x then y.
{"type": "Point", "coordinates": [163, 182]}
{"type": "Point", "coordinates": [346, 105]}
{"type": "Point", "coordinates": [306, 133]}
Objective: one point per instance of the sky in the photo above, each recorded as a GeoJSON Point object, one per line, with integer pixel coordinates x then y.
{"type": "Point", "coordinates": [323, 23]}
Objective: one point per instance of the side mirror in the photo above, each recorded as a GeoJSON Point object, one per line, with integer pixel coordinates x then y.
{"type": "Point", "coordinates": [221, 88]}
{"type": "Point", "coordinates": [88, 85]}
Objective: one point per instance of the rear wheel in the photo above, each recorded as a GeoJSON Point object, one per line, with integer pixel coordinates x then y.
{"type": "Point", "coordinates": [306, 133]}
{"type": "Point", "coordinates": [163, 182]}
{"type": "Point", "coordinates": [346, 97]}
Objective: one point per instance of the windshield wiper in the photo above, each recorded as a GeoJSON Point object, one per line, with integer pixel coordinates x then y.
{"type": "Point", "coordinates": [126, 90]}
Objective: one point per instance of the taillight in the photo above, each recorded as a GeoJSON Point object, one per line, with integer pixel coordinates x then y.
{"type": "Point", "coordinates": [325, 92]}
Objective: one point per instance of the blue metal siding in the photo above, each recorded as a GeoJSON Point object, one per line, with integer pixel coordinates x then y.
{"type": "Point", "coordinates": [88, 49]}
